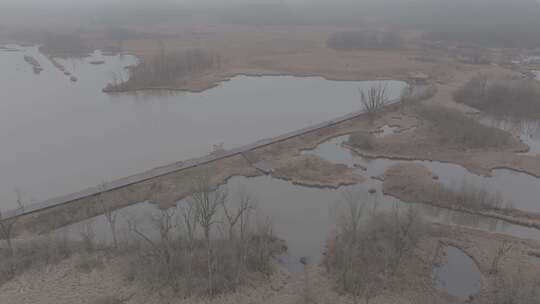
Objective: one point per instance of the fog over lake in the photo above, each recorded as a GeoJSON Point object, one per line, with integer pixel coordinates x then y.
{"type": "Point", "coordinates": [60, 136]}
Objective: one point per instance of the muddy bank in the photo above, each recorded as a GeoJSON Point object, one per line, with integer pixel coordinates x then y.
{"type": "Point", "coordinates": [414, 183]}
{"type": "Point", "coordinates": [424, 143]}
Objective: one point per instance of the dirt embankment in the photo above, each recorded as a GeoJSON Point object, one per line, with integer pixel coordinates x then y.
{"type": "Point", "coordinates": [414, 183]}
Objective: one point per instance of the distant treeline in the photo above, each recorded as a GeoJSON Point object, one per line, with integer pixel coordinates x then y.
{"type": "Point", "coordinates": [513, 23]}
{"type": "Point", "coordinates": [507, 23]}
{"type": "Point", "coordinates": [364, 40]}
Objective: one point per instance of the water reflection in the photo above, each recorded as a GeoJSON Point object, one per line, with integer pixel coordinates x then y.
{"type": "Point", "coordinates": [458, 275]}
{"type": "Point", "coordinates": [303, 217]}
{"type": "Point", "coordinates": [60, 136]}
{"type": "Point", "coordinates": [526, 130]}
{"type": "Point", "coordinates": [517, 189]}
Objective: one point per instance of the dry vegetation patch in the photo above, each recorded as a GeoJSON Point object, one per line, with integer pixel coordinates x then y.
{"type": "Point", "coordinates": [414, 183]}
{"type": "Point", "coordinates": [355, 40]}
{"type": "Point", "coordinates": [362, 139]}
{"type": "Point", "coordinates": [213, 245]}
{"type": "Point", "coordinates": [514, 98]}
{"type": "Point", "coordinates": [34, 254]}
{"type": "Point", "coordinates": [455, 129]}
{"type": "Point", "coordinates": [372, 252]}
{"type": "Point", "coordinates": [311, 170]}
{"type": "Point", "coordinates": [165, 71]}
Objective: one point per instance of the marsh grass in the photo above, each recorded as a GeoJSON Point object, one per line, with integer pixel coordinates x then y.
{"type": "Point", "coordinates": [454, 128]}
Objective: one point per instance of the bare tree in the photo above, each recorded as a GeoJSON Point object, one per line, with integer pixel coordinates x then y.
{"type": "Point", "coordinates": [502, 251]}
{"type": "Point", "coordinates": [88, 235]}
{"type": "Point", "coordinates": [165, 223]}
{"type": "Point", "coordinates": [350, 225]}
{"type": "Point", "coordinates": [195, 258]}
{"type": "Point", "coordinates": [354, 209]}
{"type": "Point", "coordinates": [206, 202]}
{"type": "Point", "coordinates": [374, 98]}
{"type": "Point", "coordinates": [162, 251]}
{"type": "Point", "coordinates": [367, 251]}
{"type": "Point", "coordinates": [189, 216]}
{"type": "Point", "coordinates": [239, 216]}
{"type": "Point", "coordinates": [404, 236]}
{"type": "Point", "coordinates": [109, 212]}
{"type": "Point", "coordinates": [8, 223]}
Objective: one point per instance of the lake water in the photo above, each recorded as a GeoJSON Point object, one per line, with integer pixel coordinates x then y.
{"type": "Point", "coordinates": [517, 189]}
{"type": "Point", "coordinates": [60, 136]}
{"type": "Point", "coordinates": [458, 275]}
{"type": "Point", "coordinates": [304, 217]}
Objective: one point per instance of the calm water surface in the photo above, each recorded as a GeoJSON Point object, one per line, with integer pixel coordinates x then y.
{"type": "Point", "coordinates": [517, 189]}
{"type": "Point", "coordinates": [304, 217]}
{"type": "Point", "coordinates": [60, 136]}
{"type": "Point", "coordinates": [458, 275]}
{"type": "Point", "coordinates": [528, 131]}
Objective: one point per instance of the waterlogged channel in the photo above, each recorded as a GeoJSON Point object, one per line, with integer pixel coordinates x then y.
{"type": "Point", "coordinates": [518, 190]}
{"type": "Point", "coordinates": [303, 217]}
{"type": "Point", "coordinates": [60, 136]}
{"type": "Point", "coordinates": [528, 131]}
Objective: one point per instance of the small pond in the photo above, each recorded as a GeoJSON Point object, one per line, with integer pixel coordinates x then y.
{"type": "Point", "coordinates": [458, 274]}
{"type": "Point", "coordinates": [60, 136]}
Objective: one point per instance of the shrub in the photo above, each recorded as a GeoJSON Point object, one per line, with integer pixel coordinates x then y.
{"type": "Point", "coordinates": [362, 139]}
{"type": "Point", "coordinates": [32, 254]}
{"type": "Point", "coordinates": [367, 254]}
{"type": "Point", "coordinates": [516, 289]}
{"type": "Point", "coordinates": [182, 264]}
{"type": "Point", "coordinates": [189, 256]}
{"type": "Point", "coordinates": [164, 70]}
{"type": "Point", "coordinates": [452, 127]}
{"type": "Point", "coordinates": [413, 93]}
{"type": "Point", "coordinates": [511, 97]}
{"type": "Point", "coordinates": [472, 197]}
